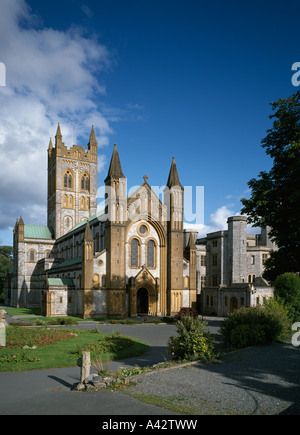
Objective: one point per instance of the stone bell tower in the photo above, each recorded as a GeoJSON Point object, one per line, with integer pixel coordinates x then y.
{"type": "Point", "coordinates": [72, 183]}
{"type": "Point", "coordinates": [116, 212]}
{"type": "Point", "coordinates": [173, 198]}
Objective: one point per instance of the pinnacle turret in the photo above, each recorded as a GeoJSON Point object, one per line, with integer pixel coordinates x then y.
{"type": "Point", "coordinates": [173, 179]}
{"type": "Point", "coordinates": [115, 169]}
{"type": "Point", "coordinates": [88, 234]}
{"type": "Point", "coordinates": [58, 136]}
{"type": "Point", "coordinates": [93, 140]}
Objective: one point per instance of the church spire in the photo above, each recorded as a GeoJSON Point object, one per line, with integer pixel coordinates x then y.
{"type": "Point", "coordinates": [115, 169]}
{"type": "Point", "coordinates": [50, 148]}
{"type": "Point", "coordinates": [92, 140]}
{"type": "Point", "coordinates": [92, 145]}
{"type": "Point", "coordinates": [58, 136]}
{"type": "Point", "coordinates": [58, 132]}
{"type": "Point", "coordinates": [173, 179]}
{"type": "Point", "coordinates": [88, 234]}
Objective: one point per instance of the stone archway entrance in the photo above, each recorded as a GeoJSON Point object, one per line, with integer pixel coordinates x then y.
{"type": "Point", "coordinates": [233, 304]}
{"type": "Point", "coordinates": [144, 294]}
{"type": "Point", "coordinates": [142, 301]}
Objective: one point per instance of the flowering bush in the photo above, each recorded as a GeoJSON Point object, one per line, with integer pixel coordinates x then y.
{"type": "Point", "coordinates": [18, 337]}
{"type": "Point", "coordinates": [18, 358]}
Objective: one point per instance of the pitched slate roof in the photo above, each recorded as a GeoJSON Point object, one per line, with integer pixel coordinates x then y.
{"type": "Point", "coordinates": [38, 232]}
{"type": "Point", "coordinates": [91, 218]}
{"type": "Point", "coordinates": [60, 281]}
{"type": "Point", "coordinates": [69, 262]}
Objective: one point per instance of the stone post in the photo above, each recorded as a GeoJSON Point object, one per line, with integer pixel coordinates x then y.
{"type": "Point", "coordinates": [3, 324]}
{"type": "Point", "coordinates": [85, 364]}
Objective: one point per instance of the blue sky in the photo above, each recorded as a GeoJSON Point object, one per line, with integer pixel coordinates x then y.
{"type": "Point", "coordinates": [190, 79]}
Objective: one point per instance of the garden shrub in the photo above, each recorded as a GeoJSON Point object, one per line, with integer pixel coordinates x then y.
{"type": "Point", "coordinates": [192, 342]}
{"type": "Point", "coordinates": [66, 321]}
{"type": "Point", "coordinates": [256, 325]}
{"type": "Point", "coordinates": [287, 290]}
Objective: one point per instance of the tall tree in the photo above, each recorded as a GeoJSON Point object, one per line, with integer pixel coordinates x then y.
{"type": "Point", "coordinates": [6, 263]}
{"type": "Point", "coordinates": [275, 197]}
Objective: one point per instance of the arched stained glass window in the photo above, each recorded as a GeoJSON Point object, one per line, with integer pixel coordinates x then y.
{"type": "Point", "coordinates": [85, 182]}
{"type": "Point", "coordinates": [134, 260]}
{"type": "Point", "coordinates": [150, 253]}
{"type": "Point", "coordinates": [68, 180]}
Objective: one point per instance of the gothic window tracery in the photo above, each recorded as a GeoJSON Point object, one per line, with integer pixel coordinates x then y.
{"type": "Point", "coordinates": [85, 182]}
{"type": "Point", "coordinates": [134, 253]}
{"type": "Point", "coordinates": [68, 180]}
{"type": "Point", "coordinates": [151, 254]}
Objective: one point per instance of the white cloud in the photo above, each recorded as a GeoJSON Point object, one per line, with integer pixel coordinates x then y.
{"type": "Point", "coordinates": [217, 221]}
{"type": "Point", "coordinates": [50, 78]}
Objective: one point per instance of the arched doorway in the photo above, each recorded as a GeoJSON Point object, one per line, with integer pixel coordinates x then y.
{"type": "Point", "coordinates": [142, 301]}
{"type": "Point", "coordinates": [233, 304]}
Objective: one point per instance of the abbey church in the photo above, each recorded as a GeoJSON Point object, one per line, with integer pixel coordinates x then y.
{"type": "Point", "coordinates": [134, 256]}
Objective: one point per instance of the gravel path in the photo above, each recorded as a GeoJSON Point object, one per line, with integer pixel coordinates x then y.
{"type": "Point", "coordinates": [258, 380]}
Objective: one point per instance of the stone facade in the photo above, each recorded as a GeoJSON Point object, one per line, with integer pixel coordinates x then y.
{"type": "Point", "coordinates": [230, 267]}
{"type": "Point", "coordinates": [128, 259]}
{"type": "Point", "coordinates": [132, 257]}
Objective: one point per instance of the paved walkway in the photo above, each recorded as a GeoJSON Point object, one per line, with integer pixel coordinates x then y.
{"type": "Point", "coordinates": [48, 392]}
{"type": "Point", "coordinates": [261, 380]}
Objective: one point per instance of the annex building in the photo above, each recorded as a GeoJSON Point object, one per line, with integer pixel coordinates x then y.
{"type": "Point", "coordinates": [133, 257]}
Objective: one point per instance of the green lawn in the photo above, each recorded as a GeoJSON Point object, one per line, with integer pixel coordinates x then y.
{"type": "Point", "coordinates": [23, 311]}
{"type": "Point", "coordinates": [62, 353]}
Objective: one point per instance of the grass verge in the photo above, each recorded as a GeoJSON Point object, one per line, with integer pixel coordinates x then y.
{"type": "Point", "coordinates": [182, 405]}
{"type": "Point", "coordinates": [29, 351]}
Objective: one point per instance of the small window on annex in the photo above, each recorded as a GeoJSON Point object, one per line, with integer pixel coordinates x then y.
{"type": "Point", "coordinates": [31, 255]}
{"type": "Point", "coordinates": [203, 260]}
